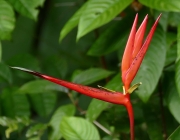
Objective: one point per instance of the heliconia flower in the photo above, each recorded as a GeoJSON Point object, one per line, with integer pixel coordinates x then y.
{"type": "Point", "coordinates": [132, 58]}
{"type": "Point", "coordinates": [135, 51]}
{"type": "Point", "coordinates": [101, 94]}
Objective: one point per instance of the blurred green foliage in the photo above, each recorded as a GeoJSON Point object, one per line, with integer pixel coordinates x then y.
{"type": "Point", "coordinates": [83, 41]}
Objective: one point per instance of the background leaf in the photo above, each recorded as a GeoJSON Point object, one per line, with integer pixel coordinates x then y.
{"type": "Point", "coordinates": [27, 8]}
{"type": "Point", "coordinates": [115, 83]}
{"type": "Point", "coordinates": [5, 73]}
{"type": "Point", "coordinates": [43, 103]}
{"type": "Point", "coordinates": [174, 19]}
{"type": "Point", "coordinates": [62, 111]}
{"type": "Point", "coordinates": [152, 65]}
{"type": "Point", "coordinates": [13, 124]}
{"type": "Point", "coordinates": [175, 135]}
{"type": "Point", "coordinates": [36, 129]}
{"type": "Point", "coordinates": [14, 104]}
{"type": "Point", "coordinates": [153, 121]}
{"type": "Point", "coordinates": [59, 66]}
{"type": "Point", "coordinates": [91, 75]}
{"type": "Point", "coordinates": [171, 38]}
{"type": "Point", "coordinates": [7, 19]}
{"type": "Point", "coordinates": [34, 45]}
{"type": "Point", "coordinates": [164, 19]}
{"type": "Point", "coordinates": [104, 46]}
{"type": "Point", "coordinates": [0, 51]}
{"type": "Point", "coordinates": [171, 55]}
{"type": "Point", "coordinates": [24, 60]}
{"type": "Point", "coordinates": [40, 86]}
{"type": "Point", "coordinates": [96, 107]}
{"type": "Point", "coordinates": [178, 43]}
{"type": "Point", "coordinates": [72, 22]}
{"type": "Point", "coordinates": [95, 16]}
{"type": "Point", "coordinates": [165, 5]}
{"type": "Point", "coordinates": [177, 70]}
{"type": "Point", "coordinates": [173, 100]}
{"type": "Point", "coordinates": [73, 128]}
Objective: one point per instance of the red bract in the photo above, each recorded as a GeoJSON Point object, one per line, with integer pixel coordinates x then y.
{"type": "Point", "coordinates": [135, 51]}
{"type": "Point", "coordinates": [112, 97]}
{"type": "Point", "coordinates": [132, 58]}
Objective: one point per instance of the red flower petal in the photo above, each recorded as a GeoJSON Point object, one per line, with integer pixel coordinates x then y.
{"type": "Point", "coordinates": [112, 97]}
{"type": "Point", "coordinates": [127, 56]}
{"type": "Point", "coordinates": [139, 37]}
{"type": "Point", "coordinates": [139, 57]}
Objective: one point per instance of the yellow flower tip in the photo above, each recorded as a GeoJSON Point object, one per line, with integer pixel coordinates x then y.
{"type": "Point", "coordinates": [124, 91]}
{"type": "Point", "coordinates": [106, 89]}
{"type": "Point", "coordinates": [134, 87]}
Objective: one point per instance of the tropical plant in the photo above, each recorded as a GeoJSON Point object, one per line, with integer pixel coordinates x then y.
{"type": "Point", "coordinates": [31, 108]}
{"type": "Point", "coordinates": [132, 59]}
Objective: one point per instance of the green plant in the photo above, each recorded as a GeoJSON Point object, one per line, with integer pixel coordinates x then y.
{"type": "Point", "coordinates": [41, 107]}
{"type": "Point", "coordinates": [132, 59]}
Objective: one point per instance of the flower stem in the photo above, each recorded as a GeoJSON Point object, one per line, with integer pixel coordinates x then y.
{"type": "Point", "coordinates": [131, 118]}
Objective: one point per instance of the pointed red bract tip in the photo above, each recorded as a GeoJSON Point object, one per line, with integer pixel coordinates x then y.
{"type": "Point", "coordinates": [135, 54]}
{"type": "Point", "coordinates": [139, 37]}
{"type": "Point", "coordinates": [112, 97]}
{"type": "Point", "coordinates": [128, 50]}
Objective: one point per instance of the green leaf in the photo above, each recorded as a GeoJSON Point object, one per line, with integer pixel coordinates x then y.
{"type": "Point", "coordinates": [24, 60]}
{"type": "Point", "coordinates": [164, 19]}
{"type": "Point", "coordinates": [152, 65]}
{"type": "Point", "coordinates": [37, 129]}
{"type": "Point", "coordinates": [177, 70]}
{"type": "Point", "coordinates": [171, 38]}
{"type": "Point", "coordinates": [165, 5]}
{"type": "Point", "coordinates": [115, 83]}
{"type": "Point", "coordinates": [34, 138]}
{"type": "Point", "coordinates": [171, 53]}
{"type": "Point", "coordinates": [27, 8]}
{"type": "Point", "coordinates": [13, 124]}
{"type": "Point", "coordinates": [97, 106]}
{"type": "Point", "coordinates": [10, 123]}
{"type": "Point", "coordinates": [173, 101]}
{"type": "Point", "coordinates": [91, 75]}
{"type": "Point", "coordinates": [0, 51]}
{"type": "Point", "coordinates": [175, 135]}
{"type": "Point", "coordinates": [100, 48]}
{"type": "Point", "coordinates": [78, 129]}
{"type": "Point", "coordinates": [43, 103]}
{"type": "Point", "coordinates": [117, 37]}
{"type": "Point", "coordinates": [40, 86]}
{"type": "Point", "coordinates": [72, 22]}
{"type": "Point", "coordinates": [5, 73]}
{"type": "Point", "coordinates": [153, 122]}
{"type": "Point", "coordinates": [178, 43]}
{"type": "Point", "coordinates": [98, 13]}
{"type": "Point", "coordinates": [14, 104]}
{"type": "Point", "coordinates": [59, 66]}
{"type": "Point", "coordinates": [62, 111]}
{"type": "Point", "coordinates": [95, 109]}
{"type": "Point", "coordinates": [174, 18]}
{"type": "Point", "coordinates": [7, 19]}
{"type": "Point", "coordinates": [121, 42]}
{"type": "Point", "coordinates": [171, 56]}
{"type": "Point", "coordinates": [171, 95]}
